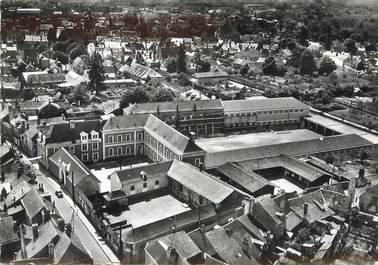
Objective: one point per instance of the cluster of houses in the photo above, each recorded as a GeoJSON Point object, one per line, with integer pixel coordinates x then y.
{"type": "Point", "coordinates": [31, 227]}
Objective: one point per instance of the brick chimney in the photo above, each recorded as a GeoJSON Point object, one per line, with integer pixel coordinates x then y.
{"type": "Point", "coordinates": [305, 209]}
{"type": "Point", "coordinates": [35, 231]}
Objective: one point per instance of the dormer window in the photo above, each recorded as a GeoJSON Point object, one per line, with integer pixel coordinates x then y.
{"type": "Point", "coordinates": [94, 135]}
{"type": "Point", "coordinates": [83, 136]}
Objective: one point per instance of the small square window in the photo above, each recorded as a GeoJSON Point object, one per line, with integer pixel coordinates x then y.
{"type": "Point", "coordinates": [145, 185]}
{"type": "Point", "coordinates": [132, 187]}
{"type": "Point", "coordinates": [156, 182]}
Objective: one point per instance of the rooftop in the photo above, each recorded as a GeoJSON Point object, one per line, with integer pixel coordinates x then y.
{"type": "Point", "coordinates": [174, 106]}
{"type": "Point", "coordinates": [263, 104]}
{"type": "Point", "coordinates": [32, 203]}
{"type": "Point", "coordinates": [7, 233]}
{"type": "Point", "coordinates": [201, 183]}
{"type": "Point", "coordinates": [169, 136]}
{"type": "Point", "coordinates": [147, 212]}
{"type": "Point", "coordinates": [247, 179]}
{"type": "Point", "coordinates": [215, 158]}
{"type": "Point", "coordinates": [300, 168]}
{"type": "Point", "coordinates": [125, 122]}
{"type": "Point", "coordinates": [233, 142]}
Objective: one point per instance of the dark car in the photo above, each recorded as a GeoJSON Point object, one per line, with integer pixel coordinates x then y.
{"type": "Point", "coordinates": [59, 194]}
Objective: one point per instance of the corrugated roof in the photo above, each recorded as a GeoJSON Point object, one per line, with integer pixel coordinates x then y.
{"type": "Point", "coordinates": [203, 184]}
{"type": "Point", "coordinates": [263, 104]}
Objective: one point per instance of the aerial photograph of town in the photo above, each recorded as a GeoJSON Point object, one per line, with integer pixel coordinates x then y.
{"type": "Point", "coordinates": [185, 132]}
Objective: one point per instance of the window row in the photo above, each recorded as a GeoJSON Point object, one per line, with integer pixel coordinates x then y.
{"type": "Point", "coordinates": [85, 157]}
{"type": "Point", "coordinates": [264, 112]}
{"type": "Point", "coordinates": [124, 137]}
{"type": "Point", "coordinates": [132, 187]}
{"type": "Point", "coordinates": [84, 147]}
{"type": "Point", "coordinates": [119, 151]}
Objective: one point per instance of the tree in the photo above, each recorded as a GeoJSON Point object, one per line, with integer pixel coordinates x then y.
{"type": "Point", "coordinates": [96, 72]}
{"type": "Point", "coordinates": [162, 95]}
{"type": "Point", "coordinates": [171, 64]}
{"type": "Point", "coordinates": [79, 49]}
{"type": "Point", "coordinates": [183, 80]}
{"type": "Point", "coordinates": [244, 70]}
{"type": "Point", "coordinates": [269, 66]}
{"type": "Point", "coordinates": [181, 60]}
{"type": "Point", "coordinates": [350, 46]}
{"type": "Point", "coordinates": [307, 64]}
{"type": "Point", "coordinates": [327, 66]}
{"type": "Point", "coordinates": [80, 94]}
{"type": "Point", "coordinates": [3, 194]}
{"type": "Point", "coordinates": [330, 159]}
{"type": "Point", "coordinates": [51, 35]}
{"type": "Point", "coordinates": [203, 66]}
{"type": "Point", "coordinates": [136, 94]}
{"type": "Point", "coordinates": [363, 156]}
{"type": "Point", "coordinates": [60, 46]}
{"type": "Point", "coordinates": [41, 48]}
{"type": "Point", "coordinates": [360, 66]}
{"type": "Point", "coordinates": [60, 56]}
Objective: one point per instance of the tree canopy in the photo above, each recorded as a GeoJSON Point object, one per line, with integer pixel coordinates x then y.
{"type": "Point", "coordinates": [307, 64]}
{"type": "Point", "coordinates": [327, 66]}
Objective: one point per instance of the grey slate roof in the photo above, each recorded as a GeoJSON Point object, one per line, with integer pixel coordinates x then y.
{"type": "Point", "coordinates": [247, 179]}
{"type": "Point", "coordinates": [169, 136]}
{"type": "Point", "coordinates": [199, 182]}
{"type": "Point", "coordinates": [32, 203]}
{"type": "Point", "coordinates": [125, 122]}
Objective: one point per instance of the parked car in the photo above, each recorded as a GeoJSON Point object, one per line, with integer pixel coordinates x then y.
{"type": "Point", "coordinates": [59, 194]}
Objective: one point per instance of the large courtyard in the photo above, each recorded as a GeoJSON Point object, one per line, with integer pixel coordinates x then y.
{"type": "Point", "coordinates": [233, 142]}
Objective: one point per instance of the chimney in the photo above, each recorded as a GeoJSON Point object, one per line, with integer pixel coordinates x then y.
{"type": "Point", "coordinates": [43, 217]}
{"type": "Point", "coordinates": [22, 238]}
{"type": "Point", "coordinates": [72, 125]}
{"type": "Point", "coordinates": [35, 231]}
{"type": "Point", "coordinates": [15, 226]}
{"type": "Point", "coordinates": [61, 224]}
{"type": "Point", "coordinates": [305, 209]}
{"type": "Point", "coordinates": [51, 247]}
{"type": "Point", "coordinates": [192, 136]}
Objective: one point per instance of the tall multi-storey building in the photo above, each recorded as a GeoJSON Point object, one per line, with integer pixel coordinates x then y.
{"type": "Point", "coordinates": [204, 117]}
{"type": "Point", "coordinates": [83, 138]}
{"type": "Point", "coordinates": [249, 114]}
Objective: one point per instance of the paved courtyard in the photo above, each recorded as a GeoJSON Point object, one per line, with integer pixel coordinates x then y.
{"type": "Point", "coordinates": [233, 142]}
{"type": "Point", "coordinates": [147, 212]}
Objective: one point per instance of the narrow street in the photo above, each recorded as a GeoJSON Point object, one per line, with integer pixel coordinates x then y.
{"type": "Point", "coordinates": [95, 245]}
